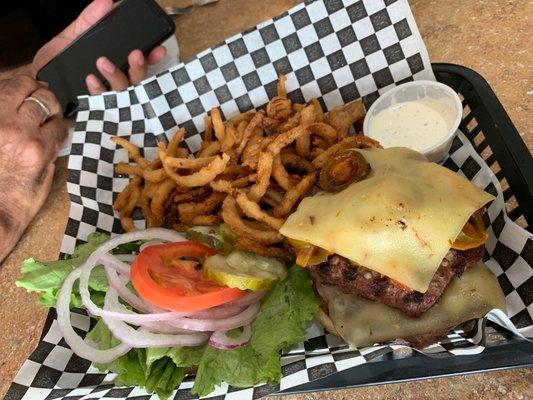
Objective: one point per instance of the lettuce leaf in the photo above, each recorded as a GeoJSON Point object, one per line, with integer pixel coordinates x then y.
{"type": "Point", "coordinates": [47, 277]}
{"type": "Point", "coordinates": [281, 323]}
{"type": "Point", "coordinates": [289, 307]}
{"type": "Point", "coordinates": [152, 369]}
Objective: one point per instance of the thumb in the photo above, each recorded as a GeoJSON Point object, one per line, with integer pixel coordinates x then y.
{"type": "Point", "coordinates": [88, 17]}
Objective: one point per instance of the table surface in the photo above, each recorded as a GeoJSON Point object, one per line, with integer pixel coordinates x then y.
{"type": "Point", "coordinates": [491, 36]}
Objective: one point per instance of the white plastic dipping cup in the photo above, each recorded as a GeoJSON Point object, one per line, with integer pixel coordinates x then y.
{"type": "Point", "coordinates": [421, 115]}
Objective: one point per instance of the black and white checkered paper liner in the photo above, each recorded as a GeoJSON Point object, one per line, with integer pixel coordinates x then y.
{"type": "Point", "coordinates": [335, 50]}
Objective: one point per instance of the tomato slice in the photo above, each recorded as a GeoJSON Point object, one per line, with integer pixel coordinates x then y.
{"type": "Point", "coordinates": [170, 276]}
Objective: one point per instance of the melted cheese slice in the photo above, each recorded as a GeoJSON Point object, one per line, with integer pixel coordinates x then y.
{"type": "Point", "coordinates": [362, 322]}
{"type": "Point", "coordinates": [400, 221]}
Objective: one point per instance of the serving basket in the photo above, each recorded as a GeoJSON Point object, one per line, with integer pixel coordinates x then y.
{"type": "Point", "coordinates": [488, 127]}
{"type": "Point", "coordinates": [490, 130]}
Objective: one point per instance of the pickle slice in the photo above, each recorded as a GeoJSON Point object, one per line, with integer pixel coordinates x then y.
{"type": "Point", "coordinates": [244, 270]}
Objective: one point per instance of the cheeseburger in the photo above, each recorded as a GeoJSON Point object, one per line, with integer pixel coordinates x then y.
{"type": "Point", "coordinates": [394, 246]}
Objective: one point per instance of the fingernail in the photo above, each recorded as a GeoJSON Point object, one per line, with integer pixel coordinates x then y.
{"type": "Point", "coordinates": [107, 65]}
{"type": "Point", "coordinates": [140, 61]}
{"type": "Point", "coordinates": [93, 82]}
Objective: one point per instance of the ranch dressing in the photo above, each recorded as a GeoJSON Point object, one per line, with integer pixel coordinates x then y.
{"type": "Point", "coordinates": [417, 125]}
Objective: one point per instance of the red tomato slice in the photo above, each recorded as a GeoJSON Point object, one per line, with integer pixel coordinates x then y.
{"type": "Point", "coordinates": [169, 276]}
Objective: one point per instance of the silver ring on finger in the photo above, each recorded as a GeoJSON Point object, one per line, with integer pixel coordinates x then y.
{"type": "Point", "coordinates": [44, 107]}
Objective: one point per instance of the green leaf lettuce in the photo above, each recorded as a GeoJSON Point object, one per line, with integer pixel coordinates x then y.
{"type": "Point", "coordinates": [47, 277]}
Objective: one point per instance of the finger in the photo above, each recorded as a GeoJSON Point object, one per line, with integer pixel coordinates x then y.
{"type": "Point", "coordinates": [94, 85]}
{"type": "Point", "coordinates": [18, 88]}
{"type": "Point", "coordinates": [116, 78]}
{"type": "Point", "coordinates": [157, 54]}
{"type": "Point", "coordinates": [138, 67]}
{"type": "Point", "coordinates": [31, 111]}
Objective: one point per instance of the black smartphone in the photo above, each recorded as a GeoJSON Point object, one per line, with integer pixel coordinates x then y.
{"type": "Point", "coordinates": [133, 24]}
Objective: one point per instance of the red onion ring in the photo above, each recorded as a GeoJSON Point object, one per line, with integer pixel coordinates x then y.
{"type": "Point", "coordinates": [111, 261]}
{"type": "Point", "coordinates": [220, 340]}
{"type": "Point", "coordinates": [218, 312]}
{"type": "Point", "coordinates": [142, 338]}
{"type": "Point", "coordinates": [206, 325]}
{"type": "Point", "coordinates": [247, 299]}
{"type": "Point", "coordinates": [76, 343]}
{"type": "Point", "coordinates": [119, 284]}
{"type": "Point", "coordinates": [87, 267]}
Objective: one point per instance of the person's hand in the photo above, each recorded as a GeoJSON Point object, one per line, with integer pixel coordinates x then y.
{"type": "Point", "coordinates": [31, 131]}
{"type": "Point", "coordinates": [138, 64]}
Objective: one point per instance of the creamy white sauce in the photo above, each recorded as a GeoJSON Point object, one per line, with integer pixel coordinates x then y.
{"type": "Point", "coordinates": [414, 124]}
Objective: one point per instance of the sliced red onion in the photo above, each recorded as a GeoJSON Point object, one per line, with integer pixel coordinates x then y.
{"type": "Point", "coordinates": [111, 261]}
{"type": "Point", "coordinates": [76, 343]}
{"type": "Point", "coordinates": [129, 258]}
{"type": "Point", "coordinates": [220, 340]}
{"type": "Point", "coordinates": [87, 267]}
{"type": "Point", "coordinates": [148, 244]}
{"type": "Point", "coordinates": [218, 312]}
{"type": "Point", "coordinates": [206, 325]}
{"type": "Point", "coordinates": [119, 284]}
{"type": "Point", "coordinates": [247, 299]}
{"type": "Point", "coordinates": [141, 338]}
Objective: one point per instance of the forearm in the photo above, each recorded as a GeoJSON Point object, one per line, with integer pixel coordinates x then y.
{"type": "Point", "coordinates": [22, 70]}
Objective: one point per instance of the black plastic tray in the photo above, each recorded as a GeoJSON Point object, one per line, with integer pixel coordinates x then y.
{"type": "Point", "coordinates": [495, 138]}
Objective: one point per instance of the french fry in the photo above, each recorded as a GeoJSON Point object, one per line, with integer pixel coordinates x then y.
{"type": "Point", "coordinates": [281, 175]}
{"type": "Point", "coordinates": [319, 113]}
{"type": "Point", "coordinates": [320, 143]}
{"type": "Point", "coordinates": [127, 169]}
{"type": "Point", "coordinates": [229, 138]}
{"type": "Point", "coordinates": [210, 150]}
{"type": "Point", "coordinates": [208, 133]}
{"type": "Point", "coordinates": [249, 131]}
{"type": "Point", "coordinates": [279, 108]}
{"type": "Point", "coordinates": [343, 117]}
{"type": "Point", "coordinates": [264, 170]}
{"type": "Point", "coordinates": [174, 143]}
{"type": "Point", "coordinates": [197, 220]}
{"type": "Point", "coordinates": [218, 125]}
{"type": "Point", "coordinates": [189, 195]}
{"type": "Point", "coordinates": [157, 175]}
{"type": "Point", "coordinates": [134, 193]}
{"type": "Point", "coordinates": [133, 151]}
{"type": "Point", "coordinates": [250, 171]}
{"type": "Point", "coordinates": [247, 244]}
{"type": "Point", "coordinates": [252, 210]}
{"type": "Point", "coordinates": [231, 216]}
{"type": "Point", "coordinates": [151, 220]}
{"type": "Point", "coordinates": [161, 194]}
{"type": "Point", "coordinates": [296, 162]}
{"type": "Point", "coordinates": [188, 163]}
{"type": "Point", "coordinates": [282, 91]}
{"type": "Point", "coordinates": [293, 195]}
{"type": "Point", "coordinates": [204, 207]}
{"type": "Point", "coordinates": [303, 143]}
{"type": "Point", "coordinates": [199, 178]}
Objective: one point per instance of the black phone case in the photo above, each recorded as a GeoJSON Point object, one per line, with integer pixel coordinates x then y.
{"type": "Point", "coordinates": [68, 100]}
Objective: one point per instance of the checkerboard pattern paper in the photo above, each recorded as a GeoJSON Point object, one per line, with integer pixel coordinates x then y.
{"type": "Point", "coordinates": [336, 50]}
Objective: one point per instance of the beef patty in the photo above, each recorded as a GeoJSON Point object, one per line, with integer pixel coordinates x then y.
{"type": "Point", "coordinates": [351, 279]}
